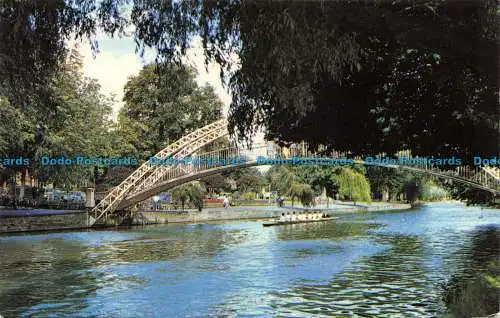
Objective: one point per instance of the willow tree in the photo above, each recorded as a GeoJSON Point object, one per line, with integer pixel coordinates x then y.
{"type": "Point", "coordinates": [369, 77]}
{"type": "Point", "coordinates": [301, 191]}
{"type": "Point", "coordinates": [352, 185]}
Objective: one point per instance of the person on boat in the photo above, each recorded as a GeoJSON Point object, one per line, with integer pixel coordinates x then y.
{"type": "Point", "coordinates": [282, 217]}
{"type": "Point", "coordinates": [294, 217]}
{"type": "Point", "coordinates": [288, 217]}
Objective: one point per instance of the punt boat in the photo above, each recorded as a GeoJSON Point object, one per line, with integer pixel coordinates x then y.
{"type": "Point", "coordinates": [297, 222]}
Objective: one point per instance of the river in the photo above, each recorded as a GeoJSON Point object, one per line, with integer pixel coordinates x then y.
{"type": "Point", "coordinates": [385, 264]}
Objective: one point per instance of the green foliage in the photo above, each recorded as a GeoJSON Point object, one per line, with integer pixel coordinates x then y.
{"type": "Point", "coordinates": [368, 77]}
{"type": "Point", "coordinates": [76, 124]}
{"type": "Point", "coordinates": [352, 185]}
{"type": "Point", "coordinates": [432, 191]}
{"type": "Point", "coordinates": [216, 183]}
{"type": "Point", "coordinates": [301, 191]}
{"type": "Point", "coordinates": [247, 179]}
{"type": "Point", "coordinates": [79, 126]}
{"type": "Point", "coordinates": [412, 190]}
{"type": "Point", "coordinates": [196, 195]}
{"type": "Point", "coordinates": [386, 180]}
{"type": "Point", "coordinates": [307, 196]}
{"type": "Point", "coordinates": [319, 177]}
{"type": "Point", "coordinates": [471, 195]}
{"type": "Point", "coordinates": [191, 193]}
{"type": "Point", "coordinates": [162, 104]}
{"type": "Point", "coordinates": [181, 194]}
{"type": "Point", "coordinates": [249, 196]}
{"type": "Point", "coordinates": [401, 75]}
{"type": "Point", "coordinates": [33, 36]}
{"type": "Point", "coordinates": [399, 181]}
{"type": "Point", "coordinates": [280, 178]}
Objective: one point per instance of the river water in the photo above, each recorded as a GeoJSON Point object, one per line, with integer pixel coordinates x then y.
{"type": "Point", "coordinates": [385, 264]}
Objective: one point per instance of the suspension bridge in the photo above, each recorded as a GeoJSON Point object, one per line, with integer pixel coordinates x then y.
{"type": "Point", "coordinates": [151, 178]}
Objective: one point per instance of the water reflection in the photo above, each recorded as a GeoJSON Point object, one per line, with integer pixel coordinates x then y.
{"type": "Point", "coordinates": [329, 230]}
{"type": "Point", "coordinates": [63, 272]}
{"type": "Point", "coordinates": [468, 293]}
{"type": "Point", "coordinates": [386, 265]}
{"type": "Point", "coordinates": [31, 274]}
{"type": "Point", "coordinates": [382, 285]}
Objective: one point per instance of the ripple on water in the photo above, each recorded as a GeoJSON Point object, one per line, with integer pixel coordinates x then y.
{"type": "Point", "coordinates": [383, 265]}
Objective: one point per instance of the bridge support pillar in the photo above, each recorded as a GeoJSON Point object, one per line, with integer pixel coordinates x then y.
{"type": "Point", "coordinates": [89, 198]}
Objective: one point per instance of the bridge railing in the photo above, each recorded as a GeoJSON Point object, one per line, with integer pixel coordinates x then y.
{"type": "Point", "coordinates": [205, 161]}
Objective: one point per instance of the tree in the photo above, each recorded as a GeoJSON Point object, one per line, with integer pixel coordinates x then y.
{"type": "Point", "coordinates": [307, 195]}
{"type": "Point", "coordinates": [181, 194]}
{"type": "Point", "coordinates": [79, 126]}
{"type": "Point", "coordinates": [367, 77]}
{"type": "Point", "coordinates": [189, 193]}
{"type": "Point", "coordinates": [386, 180]}
{"type": "Point", "coordinates": [162, 104]}
{"type": "Point", "coordinates": [301, 191]}
{"type": "Point", "coordinates": [247, 179]}
{"type": "Point", "coordinates": [432, 191]}
{"type": "Point", "coordinates": [33, 36]}
{"type": "Point", "coordinates": [353, 185]}
{"type": "Point", "coordinates": [280, 178]}
{"type": "Point", "coordinates": [196, 195]}
{"type": "Point", "coordinates": [216, 183]}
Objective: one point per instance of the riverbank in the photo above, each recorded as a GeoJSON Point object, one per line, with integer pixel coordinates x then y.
{"type": "Point", "coordinates": [27, 220]}
{"type": "Point", "coordinates": [252, 212]}
{"type": "Point", "coordinates": [41, 220]}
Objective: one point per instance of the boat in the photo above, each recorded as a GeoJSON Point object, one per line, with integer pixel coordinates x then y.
{"type": "Point", "coordinates": [297, 222]}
